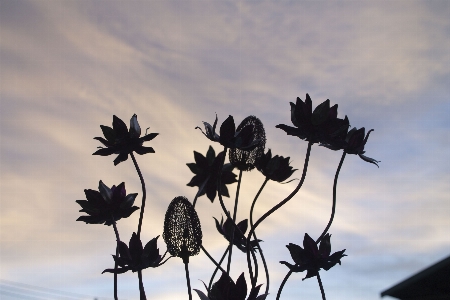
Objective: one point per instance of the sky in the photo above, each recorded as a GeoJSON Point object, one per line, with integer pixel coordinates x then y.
{"type": "Point", "coordinates": [66, 67]}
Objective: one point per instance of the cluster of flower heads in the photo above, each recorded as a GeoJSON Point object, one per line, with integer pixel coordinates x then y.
{"type": "Point", "coordinates": [108, 205]}
{"type": "Point", "coordinates": [246, 144]}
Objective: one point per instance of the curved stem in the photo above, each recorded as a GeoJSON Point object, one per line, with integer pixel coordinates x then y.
{"type": "Point", "coordinates": [212, 259]}
{"type": "Point", "coordinates": [215, 270]}
{"type": "Point", "coordinates": [236, 200]}
{"type": "Point", "coordinates": [144, 194]}
{"type": "Point", "coordinates": [222, 204]}
{"type": "Point", "coordinates": [255, 261]}
{"type": "Point", "coordinates": [273, 209]}
{"type": "Point", "coordinates": [283, 283]}
{"type": "Point", "coordinates": [254, 279]}
{"type": "Point", "coordinates": [333, 209]}
{"type": "Point", "coordinates": [188, 281]}
{"type": "Point", "coordinates": [117, 255]}
{"type": "Point", "coordinates": [321, 286]}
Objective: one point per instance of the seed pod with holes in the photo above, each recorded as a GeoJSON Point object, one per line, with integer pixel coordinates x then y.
{"type": "Point", "coordinates": [182, 230]}
{"type": "Point", "coordinates": [245, 160]}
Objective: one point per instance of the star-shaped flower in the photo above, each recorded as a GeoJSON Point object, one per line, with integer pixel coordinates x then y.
{"type": "Point", "coordinates": [275, 168]}
{"type": "Point", "coordinates": [135, 257]}
{"type": "Point", "coordinates": [120, 140]}
{"type": "Point", "coordinates": [312, 259]}
{"type": "Point", "coordinates": [352, 143]}
{"type": "Point", "coordinates": [314, 126]}
{"type": "Point", "coordinates": [226, 289]}
{"type": "Point", "coordinates": [107, 205]}
{"type": "Point", "coordinates": [206, 170]}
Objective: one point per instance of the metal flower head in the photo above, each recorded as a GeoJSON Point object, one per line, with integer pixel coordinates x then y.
{"type": "Point", "coordinates": [275, 168]}
{"type": "Point", "coordinates": [182, 230]}
{"type": "Point", "coordinates": [315, 126]}
{"type": "Point", "coordinates": [230, 137]}
{"type": "Point", "coordinates": [245, 160]}
{"type": "Point", "coordinates": [135, 257]}
{"type": "Point", "coordinates": [206, 170]}
{"type": "Point", "coordinates": [352, 143]}
{"type": "Point", "coordinates": [120, 140]}
{"type": "Point", "coordinates": [107, 205]}
{"type": "Point", "coordinates": [226, 229]}
{"type": "Point", "coordinates": [311, 258]}
{"type": "Point", "coordinates": [226, 289]}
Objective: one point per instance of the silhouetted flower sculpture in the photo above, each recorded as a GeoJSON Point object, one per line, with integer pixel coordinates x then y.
{"type": "Point", "coordinates": [107, 205]}
{"type": "Point", "coordinates": [182, 230]}
{"type": "Point", "coordinates": [135, 257]}
{"type": "Point", "coordinates": [230, 137]}
{"type": "Point", "coordinates": [317, 126]}
{"type": "Point", "coordinates": [245, 160]}
{"type": "Point", "coordinates": [275, 168]}
{"type": "Point", "coordinates": [226, 289]}
{"type": "Point", "coordinates": [226, 229]}
{"type": "Point", "coordinates": [311, 258]}
{"type": "Point", "coordinates": [206, 170]}
{"type": "Point", "coordinates": [352, 143]}
{"type": "Point", "coordinates": [120, 140]}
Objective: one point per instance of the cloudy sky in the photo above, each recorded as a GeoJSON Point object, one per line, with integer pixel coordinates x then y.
{"type": "Point", "coordinates": [67, 67]}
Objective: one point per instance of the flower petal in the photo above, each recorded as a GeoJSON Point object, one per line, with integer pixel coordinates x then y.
{"type": "Point", "coordinates": [120, 158]}
{"type": "Point", "coordinates": [135, 129]}
{"type": "Point", "coordinates": [141, 150]}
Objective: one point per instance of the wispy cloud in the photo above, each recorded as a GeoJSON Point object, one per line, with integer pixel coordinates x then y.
{"type": "Point", "coordinates": [66, 68]}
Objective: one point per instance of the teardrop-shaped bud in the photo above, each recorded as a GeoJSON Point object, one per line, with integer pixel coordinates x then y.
{"type": "Point", "coordinates": [245, 160]}
{"type": "Point", "coordinates": [182, 230]}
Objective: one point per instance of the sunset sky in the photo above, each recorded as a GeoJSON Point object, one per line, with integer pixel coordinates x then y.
{"type": "Point", "coordinates": [66, 67]}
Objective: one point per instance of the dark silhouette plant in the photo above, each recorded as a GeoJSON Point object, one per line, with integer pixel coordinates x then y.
{"type": "Point", "coordinates": [244, 146]}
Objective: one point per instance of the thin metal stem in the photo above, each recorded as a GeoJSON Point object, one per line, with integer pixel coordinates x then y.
{"type": "Point", "coordinates": [215, 270]}
{"type": "Point", "coordinates": [236, 200]}
{"type": "Point", "coordinates": [212, 259]}
{"type": "Point", "coordinates": [222, 204]}
{"type": "Point", "coordinates": [283, 283]}
{"type": "Point", "coordinates": [188, 281]}
{"type": "Point", "coordinates": [273, 209]}
{"type": "Point", "coordinates": [144, 194]}
{"type": "Point", "coordinates": [117, 255]}
{"type": "Point", "coordinates": [321, 286]}
{"type": "Point", "coordinates": [141, 286]}
{"type": "Point", "coordinates": [333, 209]}
{"type": "Point", "coordinates": [255, 278]}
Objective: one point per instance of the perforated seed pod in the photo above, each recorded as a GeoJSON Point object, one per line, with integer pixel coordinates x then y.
{"type": "Point", "coordinates": [245, 160]}
{"type": "Point", "coordinates": [182, 230]}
